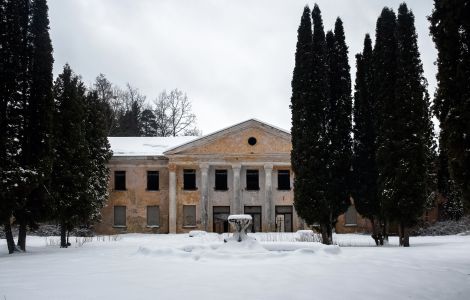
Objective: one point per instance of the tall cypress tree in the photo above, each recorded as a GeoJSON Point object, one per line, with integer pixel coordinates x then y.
{"type": "Point", "coordinates": [405, 192]}
{"type": "Point", "coordinates": [37, 149]}
{"type": "Point", "coordinates": [339, 121]}
{"type": "Point", "coordinates": [70, 178]}
{"type": "Point", "coordinates": [365, 175]}
{"type": "Point", "coordinates": [384, 78]}
{"type": "Point", "coordinates": [301, 95]}
{"type": "Point", "coordinates": [450, 28]}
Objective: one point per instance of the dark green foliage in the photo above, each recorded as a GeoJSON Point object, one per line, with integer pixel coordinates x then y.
{"type": "Point", "coordinates": [411, 129]}
{"type": "Point", "coordinates": [365, 175]}
{"type": "Point", "coordinates": [148, 123]}
{"type": "Point", "coordinates": [69, 183]}
{"type": "Point", "coordinates": [450, 26]}
{"type": "Point", "coordinates": [339, 127]}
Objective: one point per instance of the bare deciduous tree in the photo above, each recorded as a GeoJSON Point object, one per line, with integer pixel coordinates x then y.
{"type": "Point", "coordinates": [174, 115]}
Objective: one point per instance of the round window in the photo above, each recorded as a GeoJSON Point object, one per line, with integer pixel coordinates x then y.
{"type": "Point", "coordinates": [252, 141]}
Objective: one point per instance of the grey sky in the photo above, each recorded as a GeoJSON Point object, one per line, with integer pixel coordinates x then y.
{"type": "Point", "coordinates": [234, 59]}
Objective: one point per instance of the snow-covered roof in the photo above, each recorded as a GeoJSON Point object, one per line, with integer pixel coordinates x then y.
{"type": "Point", "coordinates": [146, 146]}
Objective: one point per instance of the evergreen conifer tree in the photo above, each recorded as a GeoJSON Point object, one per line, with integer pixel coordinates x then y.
{"type": "Point", "coordinates": [37, 148]}
{"type": "Point", "coordinates": [339, 122]}
{"type": "Point", "coordinates": [383, 82]}
{"type": "Point", "coordinates": [450, 28]}
{"type": "Point", "coordinates": [365, 176]}
{"type": "Point", "coordinates": [411, 132]}
{"type": "Point", "coordinates": [70, 178]}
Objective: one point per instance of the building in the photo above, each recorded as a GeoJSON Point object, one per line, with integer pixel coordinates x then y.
{"type": "Point", "coordinates": [178, 184]}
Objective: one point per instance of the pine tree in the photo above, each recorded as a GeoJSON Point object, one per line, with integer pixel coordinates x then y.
{"type": "Point", "coordinates": [148, 123]}
{"type": "Point", "coordinates": [383, 82]}
{"type": "Point", "coordinates": [450, 28]}
{"type": "Point", "coordinates": [411, 133]}
{"type": "Point", "coordinates": [37, 148]}
{"type": "Point", "coordinates": [339, 124]}
{"type": "Point", "coordinates": [69, 184]}
{"type": "Point", "coordinates": [365, 176]}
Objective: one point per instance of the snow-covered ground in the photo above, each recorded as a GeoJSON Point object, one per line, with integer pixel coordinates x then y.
{"type": "Point", "coordinates": [139, 266]}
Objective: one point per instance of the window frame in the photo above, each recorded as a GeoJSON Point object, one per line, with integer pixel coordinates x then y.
{"type": "Point", "coordinates": [187, 225]}
{"type": "Point", "coordinates": [281, 173]}
{"type": "Point", "coordinates": [157, 182]}
{"type": "Point", "coordinates": [224, 186]}
{"type": "Point", "coordinates": [120, 174]}
{"type": "Point", "coordinates": [251, 172]}
{"type": "Point", "coordinates": [157, 225]}
{"type": "Point", "coordinates": [187, 172]}
{"type": "Point", "coordinates": [114, 216]}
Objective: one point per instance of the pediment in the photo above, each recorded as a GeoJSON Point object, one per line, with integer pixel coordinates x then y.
{"type": "Point", "coordinates": [235, 140]}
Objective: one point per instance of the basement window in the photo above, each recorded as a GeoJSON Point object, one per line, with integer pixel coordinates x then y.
{"type": "Point", "coordinates": [252, 180]}
{"type": "Point", "coordinates": [283, 180]}
{"type": "Point", "coordinates": [120, 180]}
{"type": "Point", "coordinates": [153, 180]}
{"type": "Point", "coordinates": [189, 179]}
{"type": "Point", "coordinates": [221, 180]}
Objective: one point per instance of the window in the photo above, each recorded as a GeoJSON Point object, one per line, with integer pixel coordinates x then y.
{"type": "Point", "coordinates": [220, 217]}
{"type": "Point", "coordinates": [153, 215]}
{"type": "Point", "coordinates": [189, 215]}
{"type": "Point", "coordinates": [120, 180]}
{"type": "Point", "coordinates": [252, 180]}
{"type": "Point", "coordinates": [221, 180]}
{"type": "Point", "coordinates": [152, 181]}
{"type": "Point", "coordinates": [120, 216]}
{"type": "Point", "coordinates": [189, 179]}
{"type": "Point", "coordinates": [350, 217]}
{"type": "Point", "coordinates": [283, 180]}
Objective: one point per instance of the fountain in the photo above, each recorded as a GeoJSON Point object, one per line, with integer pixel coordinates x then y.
{"type": "Point", "coordinates": [240, 223]}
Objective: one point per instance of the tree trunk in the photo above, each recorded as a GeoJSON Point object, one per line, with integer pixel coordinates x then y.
{"type": "Point", "coordinates": [406, 236]}
{"type": "Point", "coordinates": [326, 234]}
{"type": "Point", "coordinates": [385, 233]}
{"type": "Point", "coordinates": [375, 231]}
{"type": "Point", "coordinates": [9, 236]}
{"type": "Point", "coordinates": [22, 234]}
{"type": "Point", "coordinates": [63, 235]}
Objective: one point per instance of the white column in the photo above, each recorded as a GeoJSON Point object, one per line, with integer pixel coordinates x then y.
{"type": "Point", "coordinates": [204, 195]}
{"type": "Point", "coordinates": [172, 202]}
{"type": "Point", "coordinates": [237, 209]}
{"type": "Point", "coordinates": [268, 196]}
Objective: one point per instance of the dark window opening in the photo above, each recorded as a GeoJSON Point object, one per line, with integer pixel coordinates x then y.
{"type": "Point", "coordinates": [252, 141]}
{"type": "Point", "coordinates": [189, 215]}
{"type": "Point", "coordinates": [283, 180]}
{"type": "Point", "coordinates": [153, 180]}
{"type": "Point", "coordinates": [153, 215]}
{"type": "Point", "coordinates": [119, 216]}
{"type": "Point", "coordinates": [284, 218]}
{"type": "Point", "coordinates": [189, 179]}
{"type": "Point", "coordinates": [120, 180]}
{"type": "Point", "coordinates": [255, 213]}
{"type": "Point", "coordinates": [252, 180]}
{"type": "Point", "coordinates": [220, 217]}
{"type": "Point", "coordinates": [221, 180]}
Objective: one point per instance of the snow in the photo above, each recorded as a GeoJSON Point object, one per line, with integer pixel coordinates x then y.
{"type": "Point", "coordinates": [239, 217]}
{"type": "Point", "coordinates": [274, 266]}
{"type": "Point", "coordinates": [146, 146]}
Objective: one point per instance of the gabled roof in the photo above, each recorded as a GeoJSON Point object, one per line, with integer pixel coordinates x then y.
{"type": "Point", "coordinates": [227, 131]}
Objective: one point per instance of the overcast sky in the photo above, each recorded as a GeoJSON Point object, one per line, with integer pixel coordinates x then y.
{"type": "Point", "coordinates": [234, 59]}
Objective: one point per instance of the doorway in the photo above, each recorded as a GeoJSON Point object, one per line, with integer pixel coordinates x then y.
{"type": "Point", "coordinates": [284, 218]}
{"type": "Point", "coordinates": [255, 213]}
{"type": "Point", "coordinates": [220, 218]}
